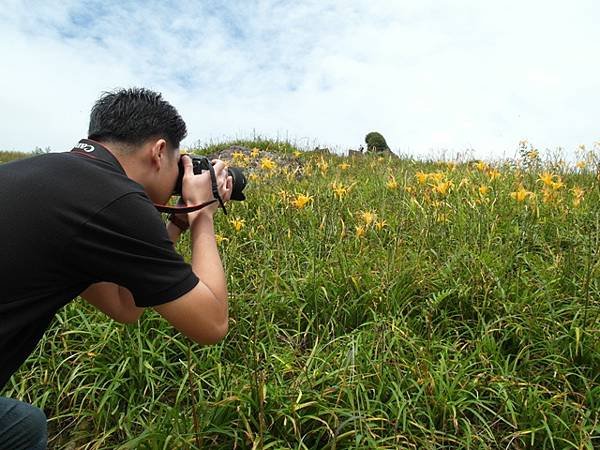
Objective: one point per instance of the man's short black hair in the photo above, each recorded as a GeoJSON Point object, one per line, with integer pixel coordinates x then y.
{"type": "Point", "coordinates": [132, 116]}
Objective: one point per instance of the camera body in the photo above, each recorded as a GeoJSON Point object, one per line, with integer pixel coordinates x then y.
{"type": "Point", "coordinates": [202, 163]}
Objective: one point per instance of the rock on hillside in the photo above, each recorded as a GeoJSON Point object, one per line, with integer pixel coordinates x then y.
{"type": "Point", "coordinates": [251, 163]}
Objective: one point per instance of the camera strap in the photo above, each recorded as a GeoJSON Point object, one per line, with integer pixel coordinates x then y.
{"type": "Point", "coordinates": [182, 209]}
{"type": "Point", "coordinates": [215, 189]}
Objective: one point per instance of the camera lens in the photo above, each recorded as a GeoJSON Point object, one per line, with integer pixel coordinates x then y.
{"type": "Point", "coordinates": [239, 183]}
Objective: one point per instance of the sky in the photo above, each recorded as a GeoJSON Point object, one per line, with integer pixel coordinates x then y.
{"type": "Point", "coordinates": [436, 78]}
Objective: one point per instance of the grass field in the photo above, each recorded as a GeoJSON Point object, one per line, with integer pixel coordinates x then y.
{"type": "Point", "coordinates": [7, 156]}
{"type": "Point", "coordinates": [375, 302]}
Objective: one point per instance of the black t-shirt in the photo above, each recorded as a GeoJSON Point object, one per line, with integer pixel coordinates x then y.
{"type": "Point", "coordinates": [69, 220]}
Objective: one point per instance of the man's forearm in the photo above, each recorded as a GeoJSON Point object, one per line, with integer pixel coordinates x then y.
{"type": "Point", "coordinates": [206, 261]}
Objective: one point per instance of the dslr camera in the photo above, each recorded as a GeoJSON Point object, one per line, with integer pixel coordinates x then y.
{"type": "Point", "coordinates": [202, 163]}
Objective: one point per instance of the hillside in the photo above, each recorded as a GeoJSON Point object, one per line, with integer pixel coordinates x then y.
{"type": "Point", "coordinates": [375, 302]}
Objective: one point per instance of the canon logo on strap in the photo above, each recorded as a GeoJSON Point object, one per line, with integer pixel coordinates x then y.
{"type": "Point", "coordinates": [85, 147]}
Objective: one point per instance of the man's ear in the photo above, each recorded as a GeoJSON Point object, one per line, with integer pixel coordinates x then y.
{"type": "Point", "coordinates": [158, 153]}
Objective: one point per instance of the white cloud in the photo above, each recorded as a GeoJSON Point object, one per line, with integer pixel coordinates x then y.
{"type": "Point", "coordinates": [428, 75]}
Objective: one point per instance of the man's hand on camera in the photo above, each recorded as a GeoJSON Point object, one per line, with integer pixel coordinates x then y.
{"type": "Point", "coordinates": [197, 189]}
{"type": "Point", "coordinates": [224, 181]}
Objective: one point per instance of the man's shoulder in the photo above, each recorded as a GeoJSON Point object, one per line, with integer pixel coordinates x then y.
{"type": "Point", "coordinates": [90, 177]}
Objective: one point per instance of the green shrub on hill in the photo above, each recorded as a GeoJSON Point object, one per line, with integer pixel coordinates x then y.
{"type": "Point", "coordinates": [376, 142]}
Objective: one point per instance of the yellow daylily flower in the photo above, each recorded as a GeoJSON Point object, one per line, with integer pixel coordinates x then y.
{"type": "Point", "coordinates": [220, 238]}
{"type": "Point", "coordinates": [392, 183]}
{"type": "Point", "coordinates": [521, 194]}
{"type": "Point", "coordinates": [237, 223]}
{"type": "Point", "coordinates": [359, 230]}
{"type": "Point", "coordinates": [380, 225]}
{"type": "Point", "coordinates": [493, 174]}
{"type": "Point", "coordinates": [436, 176]}
{"type": "Point", "coordinates": [547, 178]}
{"type": "Point", "coordinates": [267, 163]}
{"type": "Point", "coordinates": [368, 217]}
{"type": "Point", "coordinates": [577, 192]}
{"type": "Point", "coordinates": [481, 166]}
{"type": "Point", "coordinates": [443, 188]}
{"type": "Point", "coordinates": [339, 190]}
{"type": "Point", "coordinates": [421, 177]}
{"type": "Point", "coordinates": [323, 166]}
{"type": "Point", "coordinates": [301, 200]}
{"type": "Point", "coordinates": [238, 156]}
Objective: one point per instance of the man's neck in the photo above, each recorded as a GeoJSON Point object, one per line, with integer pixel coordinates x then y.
{"type": "Point", "coordinates": [128, 157]}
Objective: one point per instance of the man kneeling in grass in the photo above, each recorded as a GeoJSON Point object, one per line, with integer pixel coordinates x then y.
{"type": "Point", "coordinates": [84, 223]}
